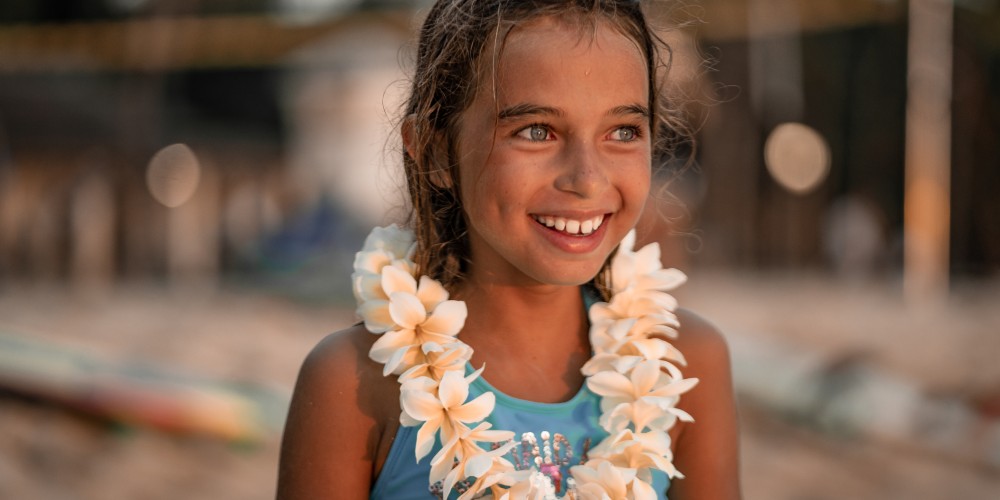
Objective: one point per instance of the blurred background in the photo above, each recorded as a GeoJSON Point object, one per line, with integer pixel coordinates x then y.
{"type": "Point", "coordinates": [183, 184]}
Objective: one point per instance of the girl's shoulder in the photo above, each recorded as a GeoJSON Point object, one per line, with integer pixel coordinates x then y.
{"type": "Point", "coordinates": [342, 417]}
{"type": "Point", "coordinates": [707, 448]}
{"type": "Point", "coordinates": [339, 368]}
{"type": "Point", "coordinates": [700, 341]}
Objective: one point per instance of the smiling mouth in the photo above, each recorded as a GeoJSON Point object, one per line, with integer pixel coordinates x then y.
{"type": "Point", "coordinates": [570, 226]}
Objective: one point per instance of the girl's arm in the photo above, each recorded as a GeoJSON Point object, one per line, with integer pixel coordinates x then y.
{"type": "Point", "coordinates": [707, 450]}
{"type": "Point", "coordinates": [334, 428]}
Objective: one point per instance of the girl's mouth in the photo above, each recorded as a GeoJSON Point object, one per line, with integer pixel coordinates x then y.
{"type": "Point", "coordinates": [571, 227]}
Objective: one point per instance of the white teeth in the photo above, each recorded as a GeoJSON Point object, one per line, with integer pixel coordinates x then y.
{"type": "Point", "coordinates": [571, 226]}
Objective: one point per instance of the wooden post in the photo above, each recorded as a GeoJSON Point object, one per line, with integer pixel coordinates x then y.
{"type": "Point", "coordinates": [928, 152]}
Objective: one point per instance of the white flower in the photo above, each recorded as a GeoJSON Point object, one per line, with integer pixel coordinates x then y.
{"type": "Point", "coordinates": [388, 246]}
{"type": "Point", "coordinates": [528, 485]}
{"type": "Point", "coordinates": [641, 451]}
{"type": "Point", "coordinates": [641, 416]}
{"type": "Point", "coordinates": [463, 447]}
{"type": "Point", "coordinates": [438, 359]}
{"type": "Point", "coordinates": [601, 480]}
{"type": "Point", "coordinates": [416, 315]}
{"type": "Point", "coordinates": [488, 467]}
{"type": "Point", "coordinates": [646, 382]}
{"type": "Point", "coordinates": [399, 242]}
{"type": "Point", "coordinates": [642, 269]}
{"type": "Point", "coordinates": [441, 406]}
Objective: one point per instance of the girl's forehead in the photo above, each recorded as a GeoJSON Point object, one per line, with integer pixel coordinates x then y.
{"type": "Point", "coordinates": [573, 31]}
{"type": "Point", "coordinates": [563, 43]}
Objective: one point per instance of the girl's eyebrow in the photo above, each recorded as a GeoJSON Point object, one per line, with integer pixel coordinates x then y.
{"type": "Point", "coordinates": [630, 109]}
{"type": "Point", "coordinates": [525, 109]}
{"type": "Point", "coordinates": [519, 110]}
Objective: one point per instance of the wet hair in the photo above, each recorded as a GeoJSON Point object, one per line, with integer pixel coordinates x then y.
{"type": "Point", "coordinates": [450, 68]}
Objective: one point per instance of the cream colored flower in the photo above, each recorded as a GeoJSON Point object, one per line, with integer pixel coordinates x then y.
{"type": "Point", "coordinates": [642, 269]}
{"type": "Point", "coordinates": [527, 485]}
{"type": "Point", "coordinates": [396, 241]}
{"type": "Point", "coordinates": [640, 416]}
{"type": "Point", "coordinates": [601, 480]}
{"type": "Point", "coordinates": [442, 406]}
{"type": "Point", "coordinates": [384, 246]}
{"type": "Point", "coordinates": [645, 382]}
{"type": "Point", "coordinates": [438, 359]}
{"type": "Point", "coordinates": [418, 314]}
{"type": "Point", "coordinates": [488, 467]}
{"type": "Point", "coordinates": [641, 451]}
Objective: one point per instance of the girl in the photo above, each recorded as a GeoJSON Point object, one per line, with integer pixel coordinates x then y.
{"type": "Point", "coordinates": [520, 347]}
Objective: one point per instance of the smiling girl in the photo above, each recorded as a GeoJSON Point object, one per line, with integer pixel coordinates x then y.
{"type": "Point", "coordinates": [513, 342]}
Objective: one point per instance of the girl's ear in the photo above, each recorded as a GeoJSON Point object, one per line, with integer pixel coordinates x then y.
{"type": "Point", "coordinates": [438, 171]}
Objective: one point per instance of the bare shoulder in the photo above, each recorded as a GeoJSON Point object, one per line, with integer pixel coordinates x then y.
{"type": "Point", "coordinates": [338, 368]}
{"type": "Point", "coordinates": [702, 344]}
{"type": "Point", "coordinates": [340, 419]}
{"type": "Point", "coordinates": [707, 450]}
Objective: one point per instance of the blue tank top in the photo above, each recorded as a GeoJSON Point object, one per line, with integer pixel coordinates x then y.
{"type": "Point", "coordinates": [552, 437]}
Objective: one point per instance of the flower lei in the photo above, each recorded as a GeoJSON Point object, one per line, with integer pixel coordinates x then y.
{"type": "Point", "coordinates": [634, 370]}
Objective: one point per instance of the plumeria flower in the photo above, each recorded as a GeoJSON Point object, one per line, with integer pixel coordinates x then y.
{"type": "Point", "coordinates": [631, 336]}
{"type": "Point", "coordinates": [463, 447]}
{"type": "Point", "coordinates": [642, 269]}
{"type": "Point", "coordinates": [388, 246]}
{"type": "Point", "coordinates": [439, 359]}
{"type": "Point", "coordinates": [398, 241]}
{"type": "Point", "coordinates": [642, 451]}
{"type": "Point", "coordinates": [642, 415]}
{"type": "Point", "coordinates": [442, 407]}
{"type": "Point", "coordinates": [601, 480]}
{"type": "Point", "coordinates": [419, 314]}
{"type": "Point", "coordinates": [645, 381]}
{"type": "Point", "coordinates": [527, 485]}
{"type": "Point", "coordinates": [488, 467]}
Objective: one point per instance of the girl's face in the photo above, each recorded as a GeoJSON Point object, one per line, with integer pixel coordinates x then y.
{"type": "Point", "coordinates": [554, 154]}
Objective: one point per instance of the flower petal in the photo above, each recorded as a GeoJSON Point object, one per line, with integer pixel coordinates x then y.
{"type": "Point", "coordinates": [375, 314]}
{"type": "Point", "coordinates": [431, 292]}
{"type": "Point", "coordinates": [395, 279]}
{"type": "Point", "coordinates": [448, 318]}
{"type": "Point", "coordinates": [389, 343]}
{"type": "Point", "coordinates": [642, 490]}
{"type": "Point", "coordinates": [474, 410]}
{"type": "Point", "coordinates": [610, 384]}
{"type": "Point", "coordinates": [425, 438]}
{"type": "Point", "coordinates": [406, 310]}
{"type": "Point", "coordinates": [644, 376]}
{"type": "Point", "coordinates": [420, 405]}
{"type": "Point", "coordinates": [453, 390]}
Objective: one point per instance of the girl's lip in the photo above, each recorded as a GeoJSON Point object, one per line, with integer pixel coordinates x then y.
{"type": "Point", "coordinates": [574, 243]}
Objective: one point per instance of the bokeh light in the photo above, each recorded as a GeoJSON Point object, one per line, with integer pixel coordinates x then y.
{"type": "Point", "coordinates": [173, 174]}
{"type": "Point", "coordinates": [797, 157]}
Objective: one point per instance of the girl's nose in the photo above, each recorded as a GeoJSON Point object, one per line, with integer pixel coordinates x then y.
{"type": "Point", "coordinates": [582, 171]}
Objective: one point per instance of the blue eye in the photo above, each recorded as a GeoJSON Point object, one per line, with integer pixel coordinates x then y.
{"type": "Point", "coordinates": [625, 134]}
{"type": "Point", "coordinates": [534, 133]}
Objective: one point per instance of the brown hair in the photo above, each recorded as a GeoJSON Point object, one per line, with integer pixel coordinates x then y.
{"type": "Point", "coordinates": [453, 38]}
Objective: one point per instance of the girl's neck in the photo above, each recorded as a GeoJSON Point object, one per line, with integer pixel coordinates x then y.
{"type": "Point", "coordinates": [528, 333]}
{"type": "Point", "coordinates": [528, 312]}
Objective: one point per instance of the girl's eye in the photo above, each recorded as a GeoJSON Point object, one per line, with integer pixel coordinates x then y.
{"type": "Point", "coordinates": [534, 133]}
{"type": "Point", "coordinates": [625, 134]}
